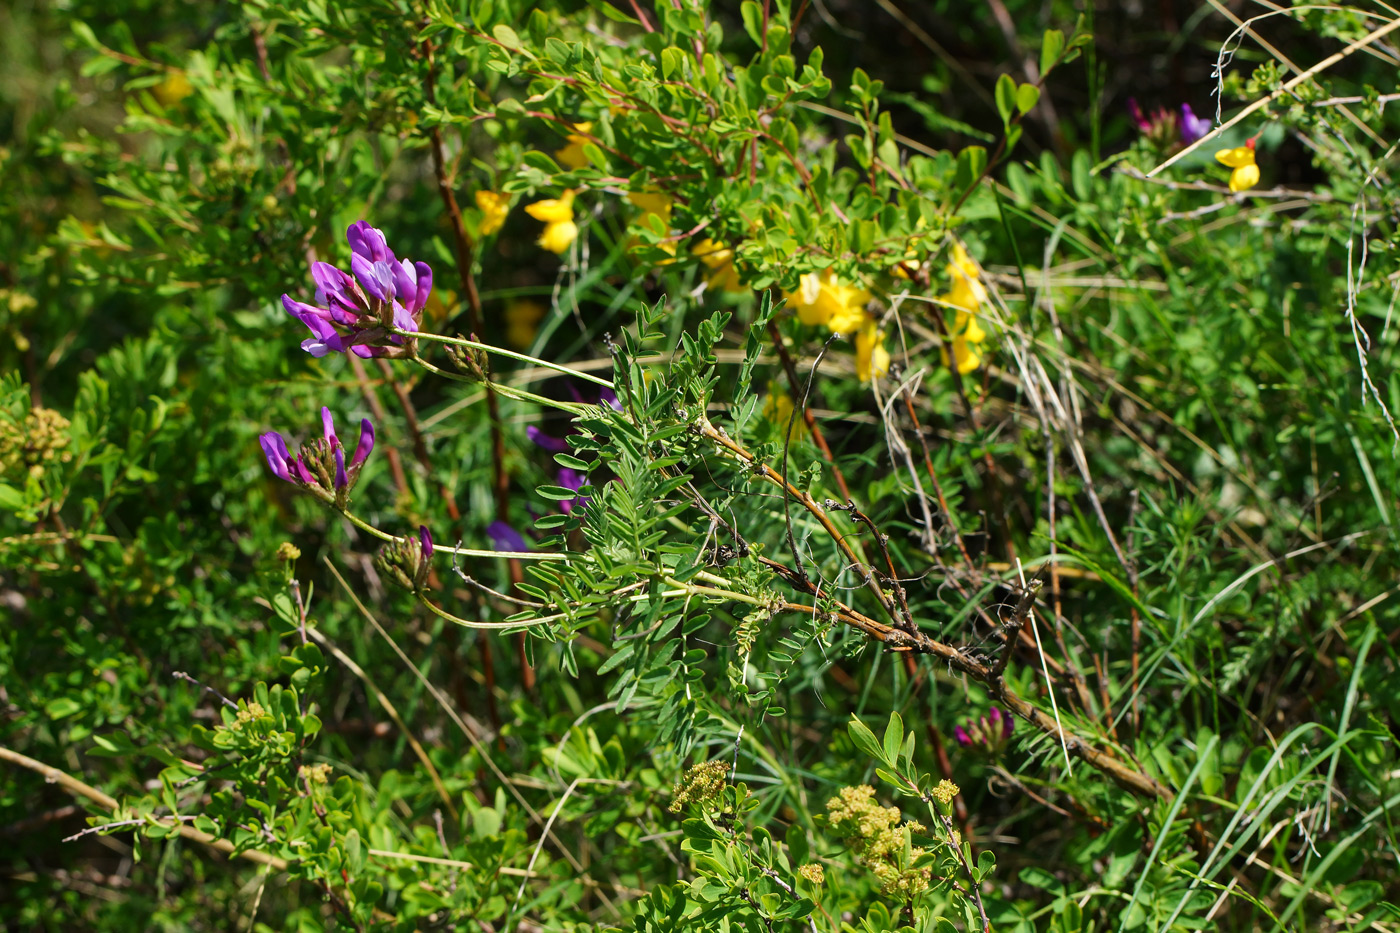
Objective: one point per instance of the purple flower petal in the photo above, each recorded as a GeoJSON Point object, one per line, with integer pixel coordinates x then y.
{"type": "Point", "coordinates": [1136, 113]}
{"type": "Point", "coordinates": [552, 444]}
{"type": "Point", "coordinates": [368, 242]}
{"type": "Point", "coordinates": [1192, 126]}
{"type": "Point", "coordinates": [275, 449]}
{"type": "Point", "coordinates": [425, 286]}
{"type": "Point", "coordinates": [403, 320]}
{"type": "Point", "coordinates": [961, 735]}
{"type": "Point", "coordinates": [505, 538]}
{"type": "Point", "coordinates": [334, 289]}
{"type": "Point", "coordinates": [376, 278]}
{"type": "Point", "coordinates": [328, 425]}
{"type": "Point", "coordinates": [302, 472]}
{"type": "Point", "coordinates": [609, 398]}
{"type": "Point", "coordinates": [425, 542]}
{"type": "Point", "coordinates": [366, 443]}
{"type": "Point", "coordinates": [341, 479]}
{"type": "Point", "coordinates": [573, 479]}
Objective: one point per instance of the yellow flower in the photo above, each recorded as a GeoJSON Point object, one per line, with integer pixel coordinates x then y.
{"type": "Point", "coordinates": [968, 291]}
{"type": "Point", "coordinates": [559, 236]}
{"type": "Point", "coordinates": [523, 316]}
{"type": "Point", "coordinates": [778, 408]}
{"type": "Point", "coordinates": [494, 207]}
{"type": "Point", "coordinates": [553, 210]}
{"type": "Point", "coordinates": [967, 323]}
{"type": "Point", "coordinates": [1241, 159]}
{"type": "Point", "coordinates": [652, 202]}
{"type": "Point", "coordinates": [173, 89]}
{"type": "Point", "coordinates": [719, 259]}
{"type": "Point", "coordinates": [571, 156]}
{"type": "Point", "coordinates": [871, 356]}
{"type": "Point", "coordinates": [964, 354]}
{"type": "Point", "coordinates": [823, 299]}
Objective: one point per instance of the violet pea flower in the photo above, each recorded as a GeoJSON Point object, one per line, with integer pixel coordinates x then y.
{"type": "Point", "coordinates": [505, 538]}
{"type": "Point", "coordinates": [573, 479]}
{"type": "Point", "coordinates": [354, 312]}
{"type": "Point", "coordinates": [1192, 126]}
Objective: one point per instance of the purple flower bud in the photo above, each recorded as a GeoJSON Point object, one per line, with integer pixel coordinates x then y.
{"type": "Point", "coordinates": [328, 425]}
{"type": "Point", "coordinates": [1136, 113]}
{"type": "Point", "coordinates": [961, 735]}
{"type": "Point", "coordinates": [341, 479]}
{"type": "Point", "coordinates": [425, 541]}
{"type": "Point", "coordinates": [505, 538]}
{"type": "Point", "coordinates": [552, 444]}
{"type": "Point", "coordinates": [275, 449]}
{"type": "Point", "coordinates": [365, 445]}
{"type": "Point", "coordinates": [609, 398]}
{"type": "Point", "coordinates": [1192, 126]}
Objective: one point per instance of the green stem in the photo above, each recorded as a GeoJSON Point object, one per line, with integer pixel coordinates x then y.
{"type": "Point", "coordinates": [519, 395]}
{"type": "Point", "coordinates": [365, 526]}
{"type": "Point", "coordinates": [460, 342]}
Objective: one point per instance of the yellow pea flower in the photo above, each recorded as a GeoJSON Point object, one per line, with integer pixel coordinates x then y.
{"type": "Point", "coordinates": [494, 207]}
{"type": "Point", "coordinates": [777, 411]}
{"type": "Point", "coordinates": [968, 292]}
{"type": "Point", "coordinates": [557, 237]}
{"type": "Point", "coordinates": [719, 259]}
{"type": "Point", "coordinates": [553, 210]}
{"type": "Point", "coordinates": [652, 202]}
{"type": "Point", "coordinates": [560, 231]}
{"type": "Point", "coordinates": [523, 316]}
{"type": "Point", "coordinates": [964, 354]}
{"type": "Point", "coordinates": [823, 299]}
{"type": "Point", "coordinates": [571, 156]}
{"type": "Point", "coordinates": [872, 359]}
{"type": "Point", "coordinates": [1245, 174]}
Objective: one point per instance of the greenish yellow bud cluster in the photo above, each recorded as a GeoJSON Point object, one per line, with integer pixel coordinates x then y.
{"type": "Point", "coordinates": [288, 551]}
{"type": "Point", "coordinates": [315, 774]}
{"type": "Point", "coordinates": [880, 841]}
{"type": "Point", "coordinates": [813, 872]}
{"type": "Point", "coordinates": [35, 443]}
{"type": "Point", "coordinates": [701, 784]}
{"type": "Point", "coordinates": [945, 792]}
{"type": "Point", "coordinates": [250, 713]}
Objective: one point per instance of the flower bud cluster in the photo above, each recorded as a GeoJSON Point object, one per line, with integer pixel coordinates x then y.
{"type": "Point", "coordinates": [881, 843]}
{"type": "Point", "coordinates": [988, 733]}
{"type": "Point", "coordinates": [407, 560]}
{"type": "Point", "coordinates": [700, 785]}
{"type": "Point", "coordinates": [321, 468]}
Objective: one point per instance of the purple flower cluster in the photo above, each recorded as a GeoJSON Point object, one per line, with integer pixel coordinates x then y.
{"type": "Point", "coordinates": [988, 733]}
{"type": "Point", "coordinates": [320, 467]}
{"type": "Point", "coordinates": [1167, 129]}
{"type": "Point", "coordinates": [354, 312]}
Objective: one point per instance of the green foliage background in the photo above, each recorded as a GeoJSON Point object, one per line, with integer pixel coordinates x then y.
{"type": "Point", "coordinates": [1182, 411]}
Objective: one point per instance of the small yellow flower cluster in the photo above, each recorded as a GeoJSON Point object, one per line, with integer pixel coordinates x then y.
{"type": "Point", "coordinates": [251, 712]}
{"type": "Point", "coordinates": [288, 551]}
{"type": "Point", "coordinates": [494, 206]}
{"type": "Point", "coordinates": [879, 840]}
{"type": "Point", "coordinates": [945, 791]}
{"type": "Point", "coordinates": [1245, 174]}
{"type": "Point", "coordinates": [701, 784]}
{"type": "Point", "coordinates": [315, 774]}
{"type": "Point", "coordinates": [560, 231]}
{"type": "Point", "coordinates": [813, 872]}
{"type": "Point", "coordinates": [824, 300]}
{"type": "Point", "coordinates": [35, 444]}
{"type": "Point", "coordinates": [967, 295]}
